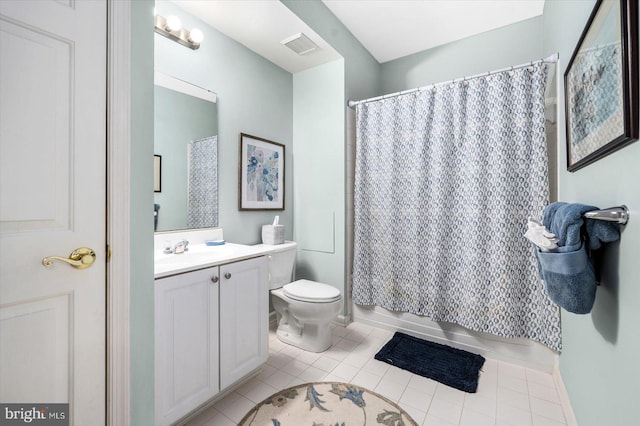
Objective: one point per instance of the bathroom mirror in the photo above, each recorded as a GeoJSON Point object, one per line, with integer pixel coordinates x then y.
{"type": "Point", "coordinates": [185, 137]}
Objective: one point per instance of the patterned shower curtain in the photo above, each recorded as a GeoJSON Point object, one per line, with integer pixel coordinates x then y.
{"type": "Point", "coordinates": [202, 208]}
{"type": "Point", "coordinates": [445, 180]}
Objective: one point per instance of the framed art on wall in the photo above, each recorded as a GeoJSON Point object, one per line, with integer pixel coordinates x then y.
{"type": "Point", "coordinates": [601, 84]}
{"type": "Point", "coordinates": [261, 174]}
{"type": "Point", "coordinates": [157, 173]}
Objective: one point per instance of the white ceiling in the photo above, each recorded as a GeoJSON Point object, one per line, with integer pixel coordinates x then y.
{"type": "Point", "coordinates": [261, 25]}
{"type": "Point", "coordinates": [388, 29]}
{"type": "Point", "coordinates": [391, 29]}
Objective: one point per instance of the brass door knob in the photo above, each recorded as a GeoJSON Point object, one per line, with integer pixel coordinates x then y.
{"type": "Point", "coordinates": [80, 258]}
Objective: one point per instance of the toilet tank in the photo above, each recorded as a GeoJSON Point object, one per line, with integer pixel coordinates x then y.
{"type": "Point", "coordinates": [281, 263]}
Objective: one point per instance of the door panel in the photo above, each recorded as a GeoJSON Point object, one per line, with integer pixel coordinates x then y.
{"type": "Point", "coordinates": [42, 61]}
{"type": "Point", "coordinates": [52, 201]}
{"type": "Point", "coordinates": [186, 342]}
{"type": "Point", "coordinates": [244, 318]}
{"type": "Point", "coordinates": [46, 346]}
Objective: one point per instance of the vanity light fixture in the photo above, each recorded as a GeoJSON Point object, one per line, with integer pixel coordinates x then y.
{"type": "Point", "coordinates": [171, 28]}
{"type": "Point", "coordinates": [196, 36]}
{"type": "Point", "coordinates": [173, 24]}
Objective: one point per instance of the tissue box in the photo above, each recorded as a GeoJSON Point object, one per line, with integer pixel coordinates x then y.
{"type": "Point", "coordinates": [273, 234]}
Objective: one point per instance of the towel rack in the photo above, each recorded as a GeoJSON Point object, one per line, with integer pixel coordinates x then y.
{"type": "Point", "coordinates": [618, 214]}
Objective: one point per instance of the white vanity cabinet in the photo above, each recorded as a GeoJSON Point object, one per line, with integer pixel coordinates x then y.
{"type": "Point", "coordinates": [244, 319]}
{"type": "Point", "coordinates": [186, 343]}
{"type": "Point", "coordinates": [211, 329]}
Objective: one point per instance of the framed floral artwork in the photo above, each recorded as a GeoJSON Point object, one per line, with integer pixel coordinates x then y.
{"type": "Point", "coordinates": [261, 174]}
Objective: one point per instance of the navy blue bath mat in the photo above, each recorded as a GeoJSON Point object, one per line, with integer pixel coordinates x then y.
{"type": "Point", "coordinates": [450, 366]}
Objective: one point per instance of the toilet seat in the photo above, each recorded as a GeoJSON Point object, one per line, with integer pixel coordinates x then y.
{"type": "Point", "coordinates": [311, 291]}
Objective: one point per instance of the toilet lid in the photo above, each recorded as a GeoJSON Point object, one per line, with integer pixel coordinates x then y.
{"type": "Point", "coordinates": [311, 291]}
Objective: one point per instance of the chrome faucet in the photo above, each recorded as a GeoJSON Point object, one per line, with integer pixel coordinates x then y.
{"type": "Point", "coordinates": [179, 247]}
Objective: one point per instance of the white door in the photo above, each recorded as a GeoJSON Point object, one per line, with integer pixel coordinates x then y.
{"type": "Point", "coordinates": [52, 201]}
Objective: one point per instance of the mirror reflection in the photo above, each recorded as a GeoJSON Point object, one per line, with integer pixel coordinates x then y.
{"type": "Point", "coordinates": [185, 137]}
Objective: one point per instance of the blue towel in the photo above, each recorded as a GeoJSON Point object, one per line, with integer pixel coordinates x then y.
{"type": "Point", "coordinates": [567, 271]}
{"type": "Point", "coordinates": [569, 279]}
{"type": "Point", "coordinates": [565, 220]}
{"type": "Point", "coordinates": [600, 232]}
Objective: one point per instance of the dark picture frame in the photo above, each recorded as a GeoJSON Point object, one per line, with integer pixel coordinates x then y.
{"type": "Point", "coordinates": [601, 84]}
{"type": "Point", "coordinates": [157, 173]}
{"type": "Point", "coordinates": [261, 169]}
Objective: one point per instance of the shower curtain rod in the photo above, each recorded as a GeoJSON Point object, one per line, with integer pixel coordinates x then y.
{"type": "Point", "coordinates": [551, 59]}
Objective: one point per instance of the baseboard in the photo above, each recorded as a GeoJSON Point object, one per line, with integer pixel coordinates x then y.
{"type": "Point", "coordinates": [342, 320]}
{"type": "Point", "coordinates": [523, 352]}
{"type": "Point", "coordinates": [569, 415]}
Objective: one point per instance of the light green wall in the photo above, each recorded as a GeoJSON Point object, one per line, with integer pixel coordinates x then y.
{"type": "Point", "coordinates": [511, 45]}
{"type": "Point", "coordinates": [254, 96]}
{"type": "Point", "coordinates": [319, 173]}
{"type": "Point", "coordinates": [597, 364]}
{"type": "Point", "coordinates": [599, 361]}
{"type": "Point", "coordinates": [319, 133]}
{"type": "Point", "coordinates": [142, 353]}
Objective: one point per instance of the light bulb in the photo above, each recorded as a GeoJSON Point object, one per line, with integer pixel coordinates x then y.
{"type": "Point", "coordinates": [173, 24]}
{"type": "Point", "coordinates": [196, 36]}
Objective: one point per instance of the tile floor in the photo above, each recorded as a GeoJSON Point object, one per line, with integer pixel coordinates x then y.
{"type": "Point", "coordinates": [507, 394]}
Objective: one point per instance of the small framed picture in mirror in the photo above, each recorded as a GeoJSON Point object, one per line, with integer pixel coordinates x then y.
{"type": "Point", "coordinates": [157, 173]}
{"type": "Point", "coordinates": [261, 174]}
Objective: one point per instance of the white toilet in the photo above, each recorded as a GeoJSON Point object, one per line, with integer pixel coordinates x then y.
{"type": "Point", "coordinates": [304, 308]}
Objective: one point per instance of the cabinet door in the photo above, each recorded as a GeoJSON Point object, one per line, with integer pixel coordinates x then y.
{"type": "Point", "coordinates": [244, 318]}
{"type": "Point", "coordinates": [186, 343]}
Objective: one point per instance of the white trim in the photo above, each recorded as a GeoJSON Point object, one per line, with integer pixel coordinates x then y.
{"type": "Point", "coordinates": [172, 83]}
{"type": "Point", "coordinates": [118, 217]}
{"type": "Point", "coordinates": [342, 320]}
{"type": "Point", "coordinates": [569, 415]}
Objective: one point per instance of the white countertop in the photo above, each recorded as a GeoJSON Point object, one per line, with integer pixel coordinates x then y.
{"type": "Point", "coordinates": [201, 256]}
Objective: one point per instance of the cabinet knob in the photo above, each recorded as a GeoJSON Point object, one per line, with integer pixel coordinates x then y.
{"type": "Point", "coordinates": [227, 275]}
{"type": "Point", "coordinates": [214, 279]}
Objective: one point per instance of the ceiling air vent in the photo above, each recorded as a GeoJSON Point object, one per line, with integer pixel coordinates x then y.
{"type": "Point", "coordinates": [300, 43]}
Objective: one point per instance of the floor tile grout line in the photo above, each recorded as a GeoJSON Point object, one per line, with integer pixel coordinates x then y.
{"type": "Point", "coordinates": [344, 347]}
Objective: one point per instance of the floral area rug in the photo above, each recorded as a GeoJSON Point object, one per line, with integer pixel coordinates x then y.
{"type": "Point", "coordinates": [326, 404]}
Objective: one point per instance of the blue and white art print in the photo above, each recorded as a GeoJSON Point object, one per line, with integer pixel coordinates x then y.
{"type": "Point", "coordinates": [261, 174]}
{"type": "Point", "coordinates": [600, 97]}
{"type": "Point", "coordinates": [594, 95]}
